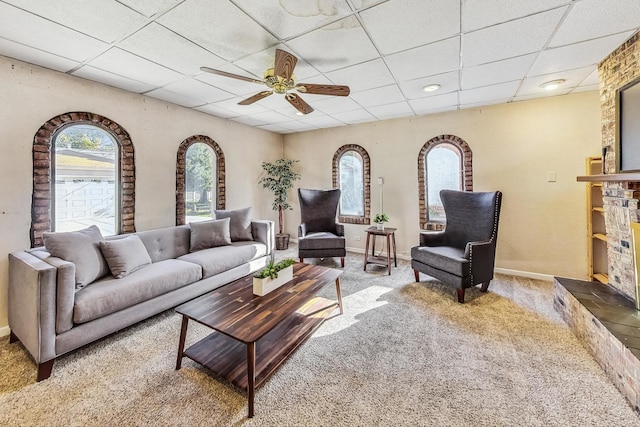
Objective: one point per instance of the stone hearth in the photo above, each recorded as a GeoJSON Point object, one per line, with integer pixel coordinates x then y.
{"type": "Point", "coordinates": [609, 325]}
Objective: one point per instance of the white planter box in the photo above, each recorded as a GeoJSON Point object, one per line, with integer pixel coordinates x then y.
{"type": "Point", "coordinates": [264, 286]}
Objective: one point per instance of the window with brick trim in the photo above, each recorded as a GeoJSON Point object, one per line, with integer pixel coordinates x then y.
{"type": "Point", "coordinates": [444, 162]}
{"type": "Point", "coordinates": [200, 183]}
{"type": "Point", "coordinates": [83, 174]}
{"type": "Point", "coordinates": [351, 174]}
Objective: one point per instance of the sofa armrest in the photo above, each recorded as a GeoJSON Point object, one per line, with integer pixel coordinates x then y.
{"type": "Point", "coordinates": [339, 229]}
{"type": "Point", "coordinates": [32, 304]}
{"type": "Point", "coordinates": [302, 230]}
{"type": "Point", "coordinates": [482, 256]}
{"type": "Point", "coordinates": [433, 238]}
{"type": "Point", "coordinates": [264, 232]}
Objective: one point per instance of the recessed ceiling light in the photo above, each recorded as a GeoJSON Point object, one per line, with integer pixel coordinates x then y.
{"type": "Point", "coordinates": [553, 84]}
{"type": "Point", "coordinates": [431, 88]}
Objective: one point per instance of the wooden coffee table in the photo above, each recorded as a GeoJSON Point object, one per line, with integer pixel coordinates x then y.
{"type": "Point", "coordinates": [254, 335]}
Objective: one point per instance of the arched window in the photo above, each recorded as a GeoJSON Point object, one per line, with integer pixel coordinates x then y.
{"type": "Point", "coordinates": [444, 163]}
{"type": "Point", "coordinates": [351, 174]}
{"type": "Point", "coordinates": [200, 186]}
{"type": "Point", "coordinates": [83, 174]}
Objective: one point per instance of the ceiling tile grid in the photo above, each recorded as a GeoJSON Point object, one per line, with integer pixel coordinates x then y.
{"type": "Point", "coordinates": [478, 52]}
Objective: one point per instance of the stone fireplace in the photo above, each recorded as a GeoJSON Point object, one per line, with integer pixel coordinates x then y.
{"type": "Point", "coordinates": [604, 317]}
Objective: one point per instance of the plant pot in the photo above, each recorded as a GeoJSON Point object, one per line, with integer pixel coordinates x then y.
{"type": "Point", "coordinates": [262, 287]}
{"type": "Point", "coordinates": [381, 226]}
{"type": "Point", "coordinates": [282, 241]}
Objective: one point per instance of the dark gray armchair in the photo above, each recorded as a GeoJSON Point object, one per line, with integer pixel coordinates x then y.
{"type": "Point", "coordinates": [319, 235]}
{"type": "Point", "coordinates": [463, 254]}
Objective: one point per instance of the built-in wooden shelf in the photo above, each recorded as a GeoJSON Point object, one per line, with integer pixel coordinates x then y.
{"type": "Point", "coordinates": [602, 278]}
{"type": "Point", "coordinates": [615, 177]}
{"type": "Point", "coordinates": [598, 209]}
{"type": "Point", "coordinates": [600, 236]}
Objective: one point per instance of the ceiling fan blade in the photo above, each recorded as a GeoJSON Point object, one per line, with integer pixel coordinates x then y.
{"type": "Point", "coordinates": [284, 64]}
{"type": "Point", "coordinates": [233, 76]}
{"type": "Point", "coordinates": [323, 89]}
{"type": "Point", "coordinates": [298, 103]}
{"type": "Point", "coordinates": [257, 97]}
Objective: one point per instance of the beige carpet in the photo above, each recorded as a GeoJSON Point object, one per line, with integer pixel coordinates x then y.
{"type": "Point", "coordinates": [403, 354]}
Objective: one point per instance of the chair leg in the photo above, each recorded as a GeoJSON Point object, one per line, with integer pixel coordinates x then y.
{"type": "Point", "coordinates": [12, 337]}
{"type": "Point", "coordinates": [301, 259]}
{"type": "Point", "coordinates": [485, 286]}
{"type": "Point", "coordinates": [44, 369]}
{"type": "Point", "coordinates": [342, 262]}
{"type": "Point", "coordinates": [460, 292]}
{"type": "Point", "coordinates": [416, 274]}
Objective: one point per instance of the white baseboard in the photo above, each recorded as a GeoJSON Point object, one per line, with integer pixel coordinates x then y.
{"type": "Point", "coordinates": [4, 331]}
{"type": "Point", "coordinates": [528, 274]}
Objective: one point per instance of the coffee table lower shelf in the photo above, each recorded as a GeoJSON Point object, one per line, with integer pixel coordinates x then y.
{"type": "Point", "coordinates": [227, 357]}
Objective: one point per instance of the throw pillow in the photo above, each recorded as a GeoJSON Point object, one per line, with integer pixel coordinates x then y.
{"type": "Point", "coordinates": [126, 255]}
{"type": "Point", "coordinates": [209, 234]}
{"type": "Point", "coordinates": [82, 249]}
{"type": "Point", "coordinates": [240, 226]}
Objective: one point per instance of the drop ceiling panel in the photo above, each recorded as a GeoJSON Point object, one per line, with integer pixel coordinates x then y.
{"type": "Point", "coordinates": [106, 20]}
{"type": "Point", "coordinates": [382, 95]}
{"type": "Point", "coordinates": [363, 76]}
{"type": "Point", "coordinates": [478, 14]}
{"type": "Point", "coordinates": [219, 27]}
{"type": "Point", "coordinates": [321, 121]}
{"type": "Point", "coordinates": [576, 55]}
{"type": "Point", "coordinates": [271, 117]}
{"type": "Point", "coordinates": [434, 102]}
{"type": "Point", "coordinates": [160, 45]}
{"type": "Point", "coordinates": [435, 58]}
{"type": "Point", "coordinates": [591, 79]}
{"type": "Point", "coordinates": [572, 79]}
{"type": "Point", "coordinates": [125, 64]}
{"type": "Point", "coordinates": [414, 23]}
{"type": "Point", "coordinates": [590, 19]}
{"type": "Point", "coordinates": [489, 93]}
{"type": "Point", "coordinates": [345, 41]}
{"type": "Point", "coordinates": [198, 90]}
{"type": "Point", "coordinates": [97, 75]}
{"type": "Point", "coordinates": [337, 104]}
{"type": "Point", "coordinates": [250, 120]}
{"type": "Point", "coordinates": [485, 103]}
{"type": "Point", "coordinates": [35, 56]}
{"type": "Point", "coordinates": [510, 39]}
{"type": "Point", "coordinates": [448, 82]}
{"type": "Point", "coordinates": [175, 98]}
{"type": "Point", "coordinates": [356, 116]}
{"type": "Point", "coordinates": [34, 31]}
{"type": "Point", "coordinates": [217, 111]}
{"type": "Point", "coordinates": [586, 88]}
{"type": "Point", "coordinates": [232, 105]}
{"type": "Point", "coordinates": [388, 111]}
{"type": "Point", "coordinates": [497, 72]}
{"type": "Point", "coordinates": [150, 7]}
{"type": "Point", "coordinates": [288, 18]}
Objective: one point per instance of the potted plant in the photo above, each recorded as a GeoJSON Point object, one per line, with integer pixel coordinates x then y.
{"type": "Point", "coordinates": [280, 178]}
{"type": "Point", "coordinates": [380, 219]}
{"type": "Point", "coordinates": [272, 276]}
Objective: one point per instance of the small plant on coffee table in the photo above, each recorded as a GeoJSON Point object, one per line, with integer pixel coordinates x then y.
{"type": "Point", "coordinates": [272, 269]}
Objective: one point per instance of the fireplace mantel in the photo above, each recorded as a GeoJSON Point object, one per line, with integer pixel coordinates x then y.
{"type": "Point", "coordinates": [611, 177]}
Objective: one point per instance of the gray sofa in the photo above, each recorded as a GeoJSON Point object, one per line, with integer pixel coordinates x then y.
{"type": "Point", "coordinates": [51, 315]}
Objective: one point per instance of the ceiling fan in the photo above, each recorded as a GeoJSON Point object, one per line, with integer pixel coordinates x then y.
{"type": "Point", "coordinates": [280, 80]}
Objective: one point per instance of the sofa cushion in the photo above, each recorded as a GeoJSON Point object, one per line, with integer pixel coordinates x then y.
{"type": "Point", "coordinates": [217, 260]}
{"type": "Point", "coordinates": [210, 234]}
{"type": "Point", "coordinates": [82, 249]}
{"type": "Point", "coordinates": [109, 294]}
{"type": "Point", "coordinates": [445, 258]}
{"type": "Point", "coordinates": [124, 256]}
{"type": "Point", "coordinates": [240, 225]}
{"type": "Point", "coordinates": [166, 243]}
{"type": "Point", "coordinates": [322, 240]}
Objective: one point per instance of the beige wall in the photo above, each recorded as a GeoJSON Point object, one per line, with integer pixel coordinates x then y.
{"type": "Point", "coordinates": [542, 224]}
{"type": "Point", "coordinates": [30, 96]}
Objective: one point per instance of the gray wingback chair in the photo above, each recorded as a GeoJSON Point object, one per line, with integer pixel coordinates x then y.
{"type": "Point", "coordinates": [319, 235]}
{"type": "Point", "coordinates": [463, 254]}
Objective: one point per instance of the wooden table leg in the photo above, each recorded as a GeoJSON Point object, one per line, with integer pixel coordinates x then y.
{"type": "Point", "coordinates": [251, 375]}
{"type": "Point", "coordinates": [389, 254]}
{"type": "Point", "coordinates": [339, 295]}
{"type": "Point", "coordinates": [366, 252]}
{"type": "Point", "coordinates": [373, 249]}
{"type": "Point", "coordinates": [183, 335]}
{"type": "Point", "coordinates": [395, 258]}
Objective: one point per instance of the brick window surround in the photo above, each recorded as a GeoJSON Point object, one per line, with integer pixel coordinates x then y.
{"type": "Point", "coordinates": [181, 174]}
{"type": "Point", "coordinates": [42, 146]}
{"type": "Point", "coordinates": [466, 171]}
{"type": "Point", "coordinates": [366, 169]}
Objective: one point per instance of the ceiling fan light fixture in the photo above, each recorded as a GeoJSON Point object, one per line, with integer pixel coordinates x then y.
{"type": "Point", "coordinates": [431, 87]}
{"type": "Point", "coordinates": [552, 84]}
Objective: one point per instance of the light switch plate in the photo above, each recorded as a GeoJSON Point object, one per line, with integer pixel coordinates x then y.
{"type": "Point", "coordinates": [551, 176]}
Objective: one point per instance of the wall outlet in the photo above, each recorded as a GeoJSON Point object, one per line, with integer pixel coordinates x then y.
{"type": "Point", "coordinates": [551, 176]}
{"type": "Point", "coordinates": [356, 237]}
